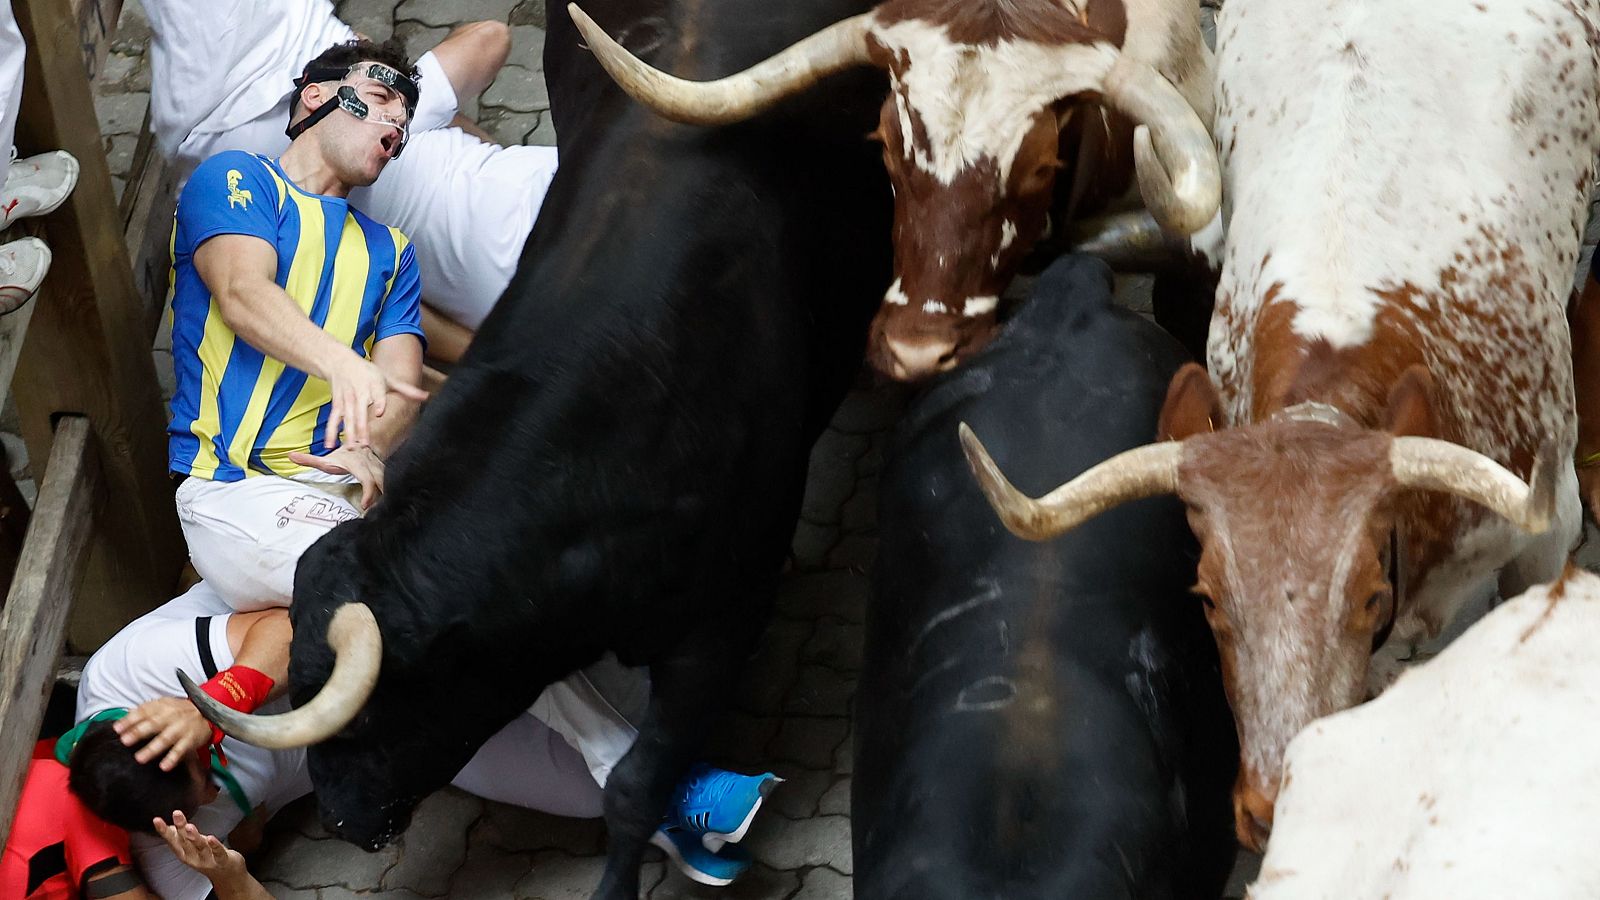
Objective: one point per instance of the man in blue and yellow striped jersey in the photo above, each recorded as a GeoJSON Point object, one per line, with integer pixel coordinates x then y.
{"type": "Point", "coordinates": [296, 330]}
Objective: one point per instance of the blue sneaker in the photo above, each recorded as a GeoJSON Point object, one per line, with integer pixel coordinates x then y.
{"type": "Point", "coordinates": [719, 805]}
{"type": "Point", "coordinates": [696, 862]}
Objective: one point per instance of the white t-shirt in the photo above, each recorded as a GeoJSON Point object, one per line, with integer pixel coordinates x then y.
{"type": "Point", "coordinates": [218, 64]}
{"type": "Point", "coordinates": [468, 207]}
{"type": "Point", "coordinates": [139, 664]}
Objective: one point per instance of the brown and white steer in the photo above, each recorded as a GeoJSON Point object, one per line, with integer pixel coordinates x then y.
{"type": "Point", "coordinates": [989, 100]}
{"type": "Point", "coordinates": [1406, 188]}
{"type": "Point", "coordinates": [1476, 776]}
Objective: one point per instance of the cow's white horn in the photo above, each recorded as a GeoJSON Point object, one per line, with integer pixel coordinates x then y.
{"type": "Point", "coordinates": [737, 97]}
{"type": "Point", "coordinates": [1127, 241]}
{"type": "Point", "coordinates": [358, 652]}
{"type": "Point", "coordinates": [1146, 471]}
{"type": "Point", "coordinates": [1431, 464]}
{"type": "Point", "coordinates": [1176, 163]}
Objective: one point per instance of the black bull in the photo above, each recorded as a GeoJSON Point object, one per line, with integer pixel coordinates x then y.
{"type": "Point", "coordinates": [617, 464]}
{"type": "Point", "coordinates": [1039, 720]}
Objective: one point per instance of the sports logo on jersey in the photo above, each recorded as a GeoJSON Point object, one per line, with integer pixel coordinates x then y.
{"type": "Point", "coordinates": [236, 196]}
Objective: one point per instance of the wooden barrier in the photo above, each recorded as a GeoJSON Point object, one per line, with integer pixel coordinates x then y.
{"type": "Point", "coordinates": [33, 622]}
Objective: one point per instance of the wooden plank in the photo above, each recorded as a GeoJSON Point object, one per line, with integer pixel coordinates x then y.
{"type": "Point", "coordinates": [97, 24]}
{"type": "Point", "coordinates": [88, 347]}
{"type": "Point", "coordinates": [148, 203]}
{"type": "Point", "coordinates": [35, 615]}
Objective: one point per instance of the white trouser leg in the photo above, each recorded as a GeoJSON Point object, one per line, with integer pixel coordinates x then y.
{"type": "Point", "coordinates": [594, 709]}
{"type": "Point", "coordinates": [245, 537]}
{"type": "Point", "coordinates": [527, 764]}
{"type": "Point", "coordinates": [11, 53]}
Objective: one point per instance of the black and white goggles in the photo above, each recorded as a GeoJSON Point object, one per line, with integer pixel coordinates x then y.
{"type": "Point", "coordinates": [349, 100]}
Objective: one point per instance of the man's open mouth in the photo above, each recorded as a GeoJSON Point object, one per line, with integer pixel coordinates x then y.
{"type": "Point", "coordinates": [389, 142]}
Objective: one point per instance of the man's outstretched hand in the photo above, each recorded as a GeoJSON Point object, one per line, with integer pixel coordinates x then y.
{"type": "Point", "coordinates": [223, 866]}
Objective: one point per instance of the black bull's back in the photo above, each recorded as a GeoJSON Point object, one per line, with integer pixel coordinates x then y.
{"type": "Point", "coordinates": [1039, 719]}
{"type": "Point", "coordinates": [618, 460]}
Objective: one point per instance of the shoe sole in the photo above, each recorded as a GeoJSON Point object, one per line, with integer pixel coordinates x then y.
{"type": "Point", "coordinates": [714, 840]}
{"type": "Point", "coordinates": [665, 845]}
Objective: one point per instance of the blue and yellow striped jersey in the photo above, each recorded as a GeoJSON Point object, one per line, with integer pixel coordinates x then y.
{"type": "Point", "coordinates": [236, 412]}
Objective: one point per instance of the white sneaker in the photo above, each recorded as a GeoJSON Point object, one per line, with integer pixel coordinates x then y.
{"type": "Point", "coordinates": [37, 185]}
{"type": "Point", "coordinates": [23, 264]}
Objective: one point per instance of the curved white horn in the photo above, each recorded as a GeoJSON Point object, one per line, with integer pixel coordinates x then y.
{"type": "Point", "coordinates": [358, 652]}
{"type": "Point", "coordinates": [1127, 241]}
{"type": "Point", "coordinates": [737, 97]}
{"type": "Point", "coordinates": [1146, 471]}
{"type": "Point", "coordinates": [1176, 163]}
{"type": "Point", "coordinates": [1435, 465]}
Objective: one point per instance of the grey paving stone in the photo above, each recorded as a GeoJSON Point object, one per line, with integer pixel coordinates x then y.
{"type": "Point", "coordinates": [528, 12]}
{"type": "Point", "coordinates": [121, 113]}
{"type": "Point", "coordinates": [856, 553]}
{"type": "Point", "coordinates": [339, 893]}
{"type": "Point", "coordinates": [792, 844]}
{"type": "Point", "coordinates": [831, 478]}
{"type": "Point", "coordinates": [373, 18]}
{"type": "Point", "coordinates": [166, 377]}
{"type": "Point", "coordinates": [824, 884]}
{"type": "Point", "coordinates": [545, 134]}
{"type": "Point", "coordinates": [836, 644]}
{"type": "Point", "coordinates": [303, 863]}
{"type": "Point", "coordinates": [799, 794]}
{"type": "Point", "coordinates": [117, 67]}
{"type": "Point", "coordinates": [527, 47]}
{"type": "Point", "coordinates": [809, 742]}
{"type": "Point", "coordinates": [561, 876]}
{"type": "Point", "coordinates": [844, 758]}
{"type": "Point", "coordinates": [490, 874]}
{"type": "Point", "coordinates": [840, 594]}
{"type": "Point", "coordinates": [508, 128]}
{"type": "Point", "coordinates": [873, 410]}
{"type": "Point", "coordinates": [436, 843]}
{"type": "Point", "coordinates": [836, 802]}
{"type": "Point", "coordinates": [811, 544]}
{"type": "Point", "coordinates": [133, 29]}
{"type": "Point", "coordinates": [418, 38]}
{"type": "Point", "coordinates": [513, 829]}
{"type": "Point", "coordinates": [860, 512]}
{"type": "Point", "coordinates": [431, 12]}
{"type": "Point", "coordinates": [771, 672]}
{"type": "Point", "coordinates": [820, 691]}
{"type": "Point", "coordinates": [519, 89]}
{"type": "Point", "coordinates": [281, 891]}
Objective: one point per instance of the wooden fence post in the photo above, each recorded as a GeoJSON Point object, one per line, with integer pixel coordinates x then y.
{"type": "Point", "coordinates": [88, 346]}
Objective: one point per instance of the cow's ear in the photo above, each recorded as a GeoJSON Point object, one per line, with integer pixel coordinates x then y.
{"type": "Point", "coordinates": [1192, 406]}
{"type": "Point", "coordinates": [1410, 412]}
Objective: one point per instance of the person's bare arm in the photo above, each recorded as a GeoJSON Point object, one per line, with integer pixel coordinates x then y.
{"type": "Point", "coordinates": [399, 358]}
{"type": "Point", "coordinates": [172, 727]}
{"type": "Point", "coordinates": [473, 55]}
{"type": "Point", "coordinates": [240, 271]}
{"type": "Point", "coordinates": [447, 340]}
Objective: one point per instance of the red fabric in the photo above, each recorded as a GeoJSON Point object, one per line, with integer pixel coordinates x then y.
{"type": "Point", "coordinates": [47, 815]}
{"type": "Point", "coordinates": [237, 687]}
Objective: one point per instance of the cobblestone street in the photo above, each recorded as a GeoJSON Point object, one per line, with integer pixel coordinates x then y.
{"type": "Point", "coordinates": [791, 713]}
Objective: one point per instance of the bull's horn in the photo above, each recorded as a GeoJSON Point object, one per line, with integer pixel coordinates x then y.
{"type": "Point", "coordinates": [1142, 472]}
{"type": "Point", "coordinates": [1127, 241]}
{"type": "Point", "coordinates": [737, 97]}
{"type": "Point", "coordinates": [1435, 465]}
{"type": "Point", "coordinates": [358, 652]}
{"type": "Point", "coordinates": [1179, 176]}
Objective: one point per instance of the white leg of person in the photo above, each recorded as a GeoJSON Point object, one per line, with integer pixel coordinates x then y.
{"type": "Point", "coordinates": [594, 709]}
{"type": "Point", "coordinates": [11, 53]}
{"type": "Point", "coordinates": [245, 537]}
{"type": "Point", "coordinates": [216, 65]}
{"type": "Point", "coordinates": [468, 207]}
{"type": "Point", "coordinates": [527, 764]}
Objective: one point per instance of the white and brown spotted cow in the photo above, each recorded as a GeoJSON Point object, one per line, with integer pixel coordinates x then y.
{"type": "Point", "coordinates": [989, 99]}
{"type": "Point", "coordinates": [1406, 186]}
{"type": "Point", "coordinates": [1477, 775]}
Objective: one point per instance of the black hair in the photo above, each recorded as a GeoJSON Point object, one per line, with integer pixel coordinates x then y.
{"type": "Point", "coordinates": [343, 55]}
{"type": "Point", "coordinates": [120, 789]}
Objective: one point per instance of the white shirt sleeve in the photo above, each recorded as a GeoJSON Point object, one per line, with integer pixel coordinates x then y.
{"type": "Point", "coordinates": [436, 97]}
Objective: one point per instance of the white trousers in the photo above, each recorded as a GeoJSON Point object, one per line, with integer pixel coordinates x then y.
{"type": "Point", "coordinates": [11, 56]}
{"type": "Point", "coordinates": [245, 539]}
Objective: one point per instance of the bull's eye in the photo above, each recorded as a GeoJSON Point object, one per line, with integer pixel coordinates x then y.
{"type": "Point", "coordinates": [1205, 597]}
{"type": "Point", "coordinates": [1375, 601]}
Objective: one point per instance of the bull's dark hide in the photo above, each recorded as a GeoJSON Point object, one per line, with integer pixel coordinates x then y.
{"type": "Point", "coordinates": [1039, 720]}
{"type": "Point", "coordinates": [617, 463]}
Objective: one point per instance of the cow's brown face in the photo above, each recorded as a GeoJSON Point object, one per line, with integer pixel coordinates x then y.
{"type": "Point", "coordinates": [956, 244]}
{"type": "Point", "coordinates": [1293, 519]}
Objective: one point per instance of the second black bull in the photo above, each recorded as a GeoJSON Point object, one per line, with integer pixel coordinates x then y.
{"type": "Point", "coordinates": [1039, 720]}
{"type": "Point", "coordinates": [617, 463]}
